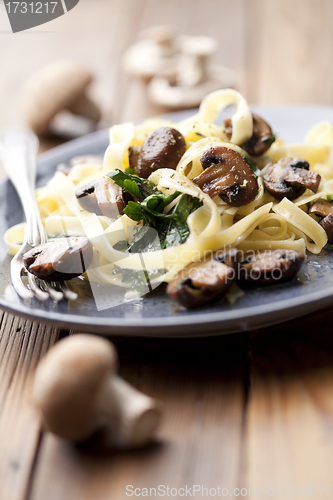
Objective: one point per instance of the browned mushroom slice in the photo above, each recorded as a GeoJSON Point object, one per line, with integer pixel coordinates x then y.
{"type": "Point", "coordinates": [324, 209]}
{"type": "Point", "coordinates": [163, 148]}
{"type": "Point", "coordinates": [102, 197]}
{"type": "Point", "coordinates": [289, 178]}
{"type": "Point", "coordinates": [86, 197]}
{"type": "Point", "coordinates": [60, 259]}
{"type": "Point", "coordinates": [109, 198]}
{"type": "Point", "coordinates": [204, 281]}
{"type": "Point", "coordinates": [228, 175]}
{"type": "Point", "coordinates": [327, 224]}
{"type": "Point", "coordinates": [270, 267]}
{"type": "Point", "coordinates": [133, 156]}
{"type": "Point", "coordinates": [65, 168]}
{"type": "Point", "coordinates": [262, 137]}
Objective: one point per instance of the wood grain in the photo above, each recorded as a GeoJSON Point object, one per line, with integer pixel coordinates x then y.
{"type": "Point", "coordinates": [200, 384]}
{"type": "Point", "coordinates": [21, 346]}
{"type": "Point", "coordinates": [289, 431]}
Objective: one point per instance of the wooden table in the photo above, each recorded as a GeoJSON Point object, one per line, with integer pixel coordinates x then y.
{"type": "Point", "coordinates": [253, 410]}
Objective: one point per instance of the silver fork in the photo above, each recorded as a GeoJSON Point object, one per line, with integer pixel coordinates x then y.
{"type": "Point", "coordinates": [18, 152]}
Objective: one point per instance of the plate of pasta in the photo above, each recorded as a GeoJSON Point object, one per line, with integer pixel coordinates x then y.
{"type": "Point", "coordinates": [206, 222]}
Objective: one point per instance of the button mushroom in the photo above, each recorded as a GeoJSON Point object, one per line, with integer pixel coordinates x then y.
{"type": "Point", "coordinates": [204, 281]}
{"type": "Point", "coordinates": [163, 148]}
{"type": "Point", "coordinates": [270, 267]}
{"type": "Point", "coordinates": [262, 137]}
{"type": "Point", "coordinates": [324, 209]}
{"type": "Point", "coordinates": [77, 391]}
{"type": "Point", "coordinates": [289, 178]}
{"type": "Point", "coordinates": [58, 86]}
{"type": "Point", "coordinates": [60, 259]}
{"type": "Point", "coordinates": [65, 168]}
{"type": "Point", "coordinates": [102, 197]}
{"type": "Point", "coordinates": [228, 175]}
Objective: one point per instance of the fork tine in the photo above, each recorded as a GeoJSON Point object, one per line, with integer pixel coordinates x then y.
{"type": "Point", "coordinates": [69, 294]}
{"type": "Point", "coordinates": [40, 294]}
{"type": "Point", "coordinates": [18, 284]}
{"type": "Point", "coordinates": [18, 150]}
{"type": "Point", "coordinates": [54, 294]}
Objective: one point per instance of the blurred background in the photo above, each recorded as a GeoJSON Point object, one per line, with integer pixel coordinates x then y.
{"type": "Point", "coordinates": [279, 50]}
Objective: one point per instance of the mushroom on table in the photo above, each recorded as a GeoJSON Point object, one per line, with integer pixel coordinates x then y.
{"type": "Point", "coordinates": [78, 392]}
{"type": "Point", "coordinates": [59, 86]}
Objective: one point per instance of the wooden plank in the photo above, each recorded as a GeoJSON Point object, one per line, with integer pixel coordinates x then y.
{"type": "Point", "coordinates": [200, 383]}
{"type": "Point", "coordinates": [22, 344]}
{"type": "Point", "coordinates": [289, 432]}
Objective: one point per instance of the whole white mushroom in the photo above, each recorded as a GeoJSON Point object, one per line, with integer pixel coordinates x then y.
{"type": "Point", "coordinates": [58, 86]}
{"type": "Point", "coordinates": [78, 392]}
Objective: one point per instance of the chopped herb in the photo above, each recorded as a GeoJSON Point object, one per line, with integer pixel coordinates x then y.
{"type": "Point", "coordinates": [150, 203]}
{"type": "Point", "coordinates": [329, 197]}
{"type": "Point", "coordinates": [134, 185]}
{"type": "Point", "coordinates": [251, 163]}
{"type": "Point", "coordinates": [130, 170]}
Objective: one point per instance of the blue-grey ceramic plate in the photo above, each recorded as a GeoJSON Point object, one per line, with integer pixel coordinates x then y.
{"type": "Point", "coordinates": [155, 314]}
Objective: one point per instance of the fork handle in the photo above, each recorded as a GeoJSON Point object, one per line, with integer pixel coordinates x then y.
{"type": "Point", "coordinates": [18, 151]}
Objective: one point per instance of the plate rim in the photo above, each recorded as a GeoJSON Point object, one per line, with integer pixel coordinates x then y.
{"type": "Point", "coordinates": [174, 326]}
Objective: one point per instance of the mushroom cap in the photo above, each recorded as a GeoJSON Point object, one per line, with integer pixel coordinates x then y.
{"type": "Point", "coordinates": [52, 89]}
{"type": "Point", "coordinates": [228, 175]}
{"type": "Point", "coordinates": [67, 384]}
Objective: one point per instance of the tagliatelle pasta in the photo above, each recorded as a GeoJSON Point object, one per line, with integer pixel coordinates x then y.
{"type": "Point", "coordinates": [262, 224]}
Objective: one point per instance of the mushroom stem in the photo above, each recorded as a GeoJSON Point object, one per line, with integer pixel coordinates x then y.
{"type": "Point", "coordinates": [84, 106]}
{"type": "Point", "coordinates": [131, 416]}
{"type": "Point", "coordinates": [194, 66]}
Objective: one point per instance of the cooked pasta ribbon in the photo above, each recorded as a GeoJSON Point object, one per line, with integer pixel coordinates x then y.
{"type": "Point", "coordinates": [262, 224]}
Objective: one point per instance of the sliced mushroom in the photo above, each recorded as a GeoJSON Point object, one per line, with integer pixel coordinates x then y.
{"type": "Point", "coordinates": [87, 198]}
{"type": "Point", "coordinates": [324, 209]}
{"type": "Point", "coordinates": [289, 178]}
{"type": "Point", "coordinates": [270, 267]}
{"type": "Point", "coordinates": [109, 198]}
{"type": "Point", "coordinates": [262, 137]}
{"type": "Point", "coordinates": [206, 280]}
{"type": "Point", "coordinates": [163, 148]}
{"type": "Point", "coordinates": [228, 175]}
{"type": "Point", "coordinates": [79, 160]}
{"type": "Point", "coordinates": [327, 224]}
{"type": "Point", "coordinates": [60, 259]}
{"type": "Point", "coordinates": [102, 197]}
